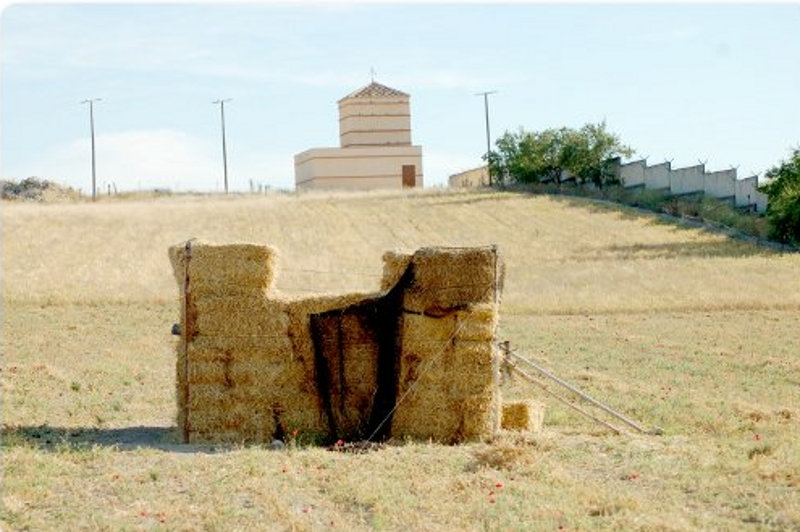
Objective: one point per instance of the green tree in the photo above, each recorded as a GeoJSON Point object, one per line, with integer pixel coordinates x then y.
{"type": "Point", "coordinates": [783, 206]}
{"type": "Point", "coordinates": [543, 156]}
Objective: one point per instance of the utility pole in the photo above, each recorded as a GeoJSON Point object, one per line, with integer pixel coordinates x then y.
{"type": "Point", "coordinates": [91, 101]}
{"type": "Point", "coordinates": [488, 136]}
{"type": "Point", "coordinates": [221, 103]}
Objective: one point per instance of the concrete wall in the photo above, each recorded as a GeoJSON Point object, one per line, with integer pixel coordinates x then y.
{"type": "Point", "coordinates": [687, 180]}
{"type": "Point", "coordinates": [747, 194]}
{"type": "Point", "coordinates": [476, 177]}
{"type": "Point", "coordinates": [656, 177]}
{"type": "Point", "coordinates": [720, 184]}
{"type": "Point", "coordinates": [362, 168]}
{"type": "Point", "coordinates": [632, 174]}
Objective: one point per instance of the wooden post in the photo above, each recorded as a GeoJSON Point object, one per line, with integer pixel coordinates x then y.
{"type": "Point", "coordinates": [188, 334]}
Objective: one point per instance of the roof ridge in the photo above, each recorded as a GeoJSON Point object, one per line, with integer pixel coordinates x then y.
{"type": "Point", "coordinates": [375, 90]}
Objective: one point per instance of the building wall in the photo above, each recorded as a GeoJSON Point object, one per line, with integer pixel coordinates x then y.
{"type": "Point", "coordinates": [368, 121]}
{"type": "Point", "coordinates": [656, 177]}
{"type": "Point", "coordinates": [476, 177]}
{"type": "Point", "coordinates": [374, 123]}
{"type": "Point", "coordinates": [356, 168]}
{"type": "Point", "coordinates": [386, 137]}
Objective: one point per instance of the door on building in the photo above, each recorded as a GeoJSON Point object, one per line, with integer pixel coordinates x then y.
{"type": "Point", "coordinates": [409, 176]}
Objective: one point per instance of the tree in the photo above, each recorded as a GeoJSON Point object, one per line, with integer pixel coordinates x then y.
{"type": "Point", "coordinates": [783, 205]}
{"type": "Point", "coordinates": [545, 156]}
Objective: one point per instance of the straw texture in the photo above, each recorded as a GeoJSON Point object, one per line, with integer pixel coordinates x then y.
{"type": "Point", "coordinates": [524, 416]}
{"type": "Point", "coordinates": [416, 358]}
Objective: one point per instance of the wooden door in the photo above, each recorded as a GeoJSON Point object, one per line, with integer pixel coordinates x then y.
{"type": "Point", "coordinates": [409, 176]}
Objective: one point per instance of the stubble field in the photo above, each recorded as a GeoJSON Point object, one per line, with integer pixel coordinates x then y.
{"type": "Point", "coordinates": [680, 328]}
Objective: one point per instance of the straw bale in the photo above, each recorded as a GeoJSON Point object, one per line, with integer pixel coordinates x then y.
{"type": "Point", "coordinates": [268, 347]}
{"type": "Point", "coordinates": [451, 278]}
{"type": "Point", "coordinates": [451, 421]}
{"type": "Point", "coordinates": [478, 323]}
{"type": "Point", "coordinates": [526, 416]}
{"type": "Point", "coordinates": [203, 396]}
{"type": "Point", "coordinates": [461, 397]}
{"type": "Point", "coordinates": [324, 364]}
{"type": "Point", "coordinates": [230, 372]}
{"type": "Point", "coordinates": [428, 329]}
{"type": "Point", "coordinates": [395, 265]}
{"type": "Point", "coordinates": [446, 367]}
{"type": "Point", "coordinates": [225, 269]}
{"type": "Point", "coordinates": [227, 316]}
{"type": "Point", "coordinates": [251, 412]}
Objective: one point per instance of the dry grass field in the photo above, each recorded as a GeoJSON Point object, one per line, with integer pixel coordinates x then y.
{"type": "Point", "coordinates": [681, 328]}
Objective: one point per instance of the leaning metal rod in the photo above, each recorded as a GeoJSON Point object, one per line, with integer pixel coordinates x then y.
{"type": "Point", "coordinates": [575, 390]}
{"type": "Point", "coordinates": [575, 407]}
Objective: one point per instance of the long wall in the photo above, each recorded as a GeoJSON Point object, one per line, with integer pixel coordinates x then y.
{"type": "Point", "coordinates": [722, 184]}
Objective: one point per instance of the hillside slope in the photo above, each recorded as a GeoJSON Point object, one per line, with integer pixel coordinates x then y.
{"type": "Point", "coordinates": [563, 255]}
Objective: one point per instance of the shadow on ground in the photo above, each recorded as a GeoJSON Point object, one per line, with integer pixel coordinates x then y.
{"type": "Point", "coordinates": [59, 439]}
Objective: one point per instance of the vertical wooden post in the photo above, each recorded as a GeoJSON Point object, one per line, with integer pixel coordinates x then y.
{"type": "Point", "coordinates": [505, 363]}
{"type": "Point", "coordinates": [188, 334]}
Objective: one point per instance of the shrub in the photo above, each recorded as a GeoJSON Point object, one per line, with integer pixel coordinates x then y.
{"type": "Point", "coordinates": [783, 207]}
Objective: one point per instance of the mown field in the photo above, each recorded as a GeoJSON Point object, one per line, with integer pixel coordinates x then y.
{"type": "Point", "coordinates": [676, 327]}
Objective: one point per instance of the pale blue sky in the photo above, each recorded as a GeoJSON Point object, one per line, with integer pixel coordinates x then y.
{"type": "Point", "coordinates": [718, 83]}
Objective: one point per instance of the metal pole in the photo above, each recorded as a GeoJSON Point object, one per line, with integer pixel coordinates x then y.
{"type": "Point", "coordinates": [91, 127]}
{"type": "Point", "coordinates": [488, 136]}
{"type": "Point", "coordinates": [224, 148]}
{"type": "Point", "coordinates": [575, 390]}
{"type": "Point", "coordinates": [564, 400]}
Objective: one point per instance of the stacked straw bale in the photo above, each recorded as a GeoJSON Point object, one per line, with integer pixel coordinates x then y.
{"type": "Point", "coordinates": [415, 360]}
{"type": "Point", "coordinates": [523, 416]}
{"type": "Point", "coordinates": [448, 370]}
{"type": "Point", "coordinates": [238, 374]}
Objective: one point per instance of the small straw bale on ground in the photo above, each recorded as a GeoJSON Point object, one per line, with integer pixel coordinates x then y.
{"type": "Point", "coordinates": [523, 416]}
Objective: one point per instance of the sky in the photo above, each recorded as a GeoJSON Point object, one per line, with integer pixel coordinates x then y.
{"type": "Point", "coordinates": [713, 83]}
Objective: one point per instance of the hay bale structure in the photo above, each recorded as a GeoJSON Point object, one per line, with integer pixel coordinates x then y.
{"type": "Point", "coordinates": [415, 359]}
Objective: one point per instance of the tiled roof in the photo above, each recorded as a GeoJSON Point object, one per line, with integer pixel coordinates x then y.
{"type": "Point", "coordinates": [376, 90]}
